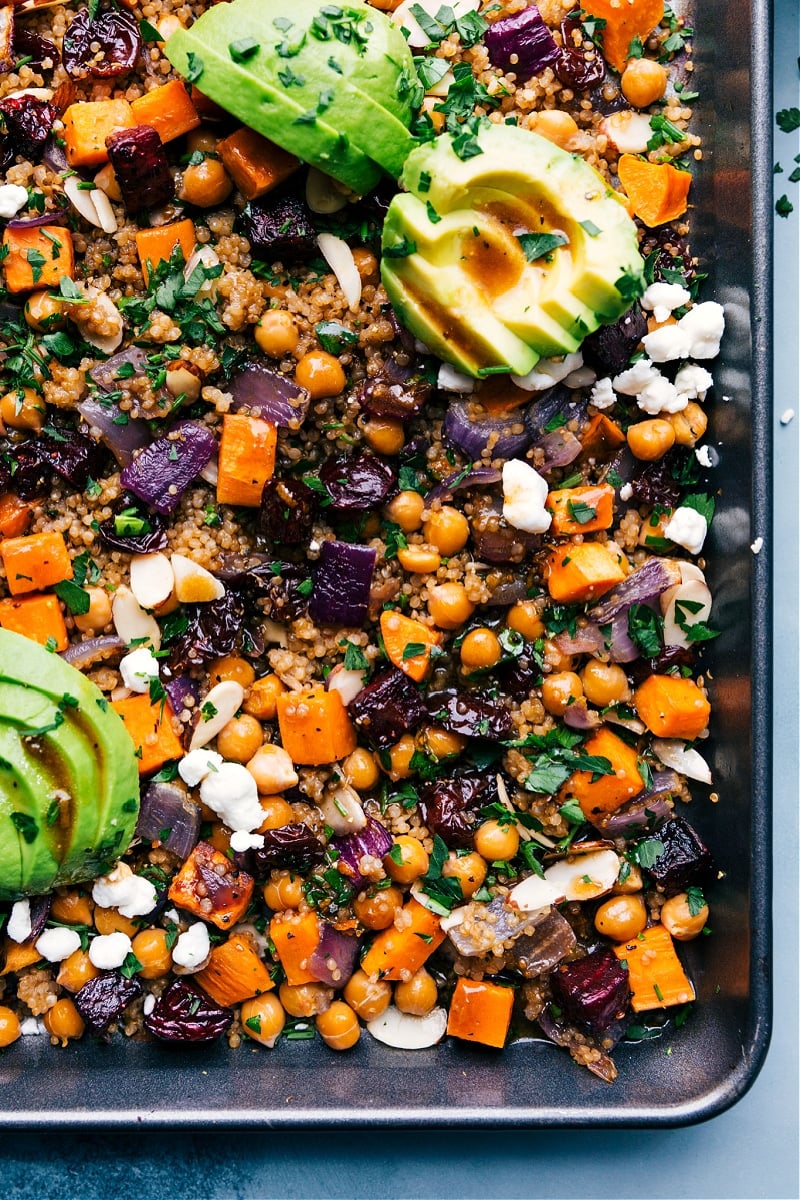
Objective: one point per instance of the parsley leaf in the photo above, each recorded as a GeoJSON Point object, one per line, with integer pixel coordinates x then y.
{"type": "Point", "coordinates": [539, 245]}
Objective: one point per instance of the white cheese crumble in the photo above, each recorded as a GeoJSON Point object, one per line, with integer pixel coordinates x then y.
{"type": "Point", "coordinates": [626, 491]}
{"type": "Point", "coordinates": [451, 380]}
{"type": "Point", "coordinates": [30, 1027]}
{"type": "Point", "coordinates": [547, 372]}
{"type": "Point", "coordinates": [12, 199]}
{"type": "Point", "coordinates": [192, 947]}
{"type": "Point", "coordinates": [688, 528]}
{"type": "Point", "coordinates": [524, 496]}
{"type": "Point", "coordinates": [703, 456]}
{"type": "Point", "coordinates": [131, 894]}
{"type": "Point", "coordinates": [195, 765]}
{"type": "Point", "coordinates": [138, 668]}
{"type": "Point", "coordinates": [704, 325]}
{"type": "Point", "coordinates": [757, 545]}
{"type": "Point", "coordinates": [241, 841]}
{"type": "Point", "coordinates": [693, 382]}
{"type": "Point", "coordinates": [659, 395]}
{"type": "Point", "coordinates": [636, 378]}
{"type": "Point", "coordinates": [661, 299]}
{"type": "Point", "coordinates": [787, 416]}
{"type": "Point", "coordinates": [602, 394]}
{"type": "Point", "coordinates": [668, 343]}
{"type": "Point", "coordinates": [109, 950]}
{"type": "Point", "coordinates": [57, 944]}
{"type": "Point", "coordinates": [232, 794]}
{"type": "Point", "coordinates": [19, 922]}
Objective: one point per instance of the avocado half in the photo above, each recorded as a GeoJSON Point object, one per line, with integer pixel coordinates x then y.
{"type": "Point", "coordinates": [333, 84]}
{"type": "Point", "coordinates": [455, 263]}
{"type": "Point", "coordinates": [69, 784]}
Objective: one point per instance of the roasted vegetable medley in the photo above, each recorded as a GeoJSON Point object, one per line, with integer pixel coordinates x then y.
{"type": "Point", "coordinates": [353, 499]}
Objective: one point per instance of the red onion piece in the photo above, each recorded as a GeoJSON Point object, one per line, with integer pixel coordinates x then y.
{"type": "Point", "coordinates": [578, 716]}
{"type": "Point", "coordinates": [587, 639]}
{"type": "Point", "coordinates": [268, 394]}
{"type": "Point", "coordinates": [522, 44]}
{"type": "Point", "coordinates": [162, 471]}
{"type": "Point", "coordinates": [560, 449]}
{"type": "Point", "coordinates": [342, 583]}
{"type": "Point", "coordinates": [477, 477]}
{"type": "Point", "coordinates": [168, 815]}
{"type": "Point", "coordinates": [644, 812]}
{"type": "Point", "coordinates": [106, 374]}
{"type": "Point", "coordinates": [557, 402]}
{"type": "Point", "coordinates": [373, 839]}
{"type": "Point", "coordinates": [54, 156]}
{"type": "Point", "coordinates": [180, 689]}
{"type": "Point", "coordinates": [645, 584]}
{"type": "Point", "coordinates": [122, 435]}
{"type": "Point", "coordinates": [85, 654]}
{"type": "Point", "coordinates": [508, 434]}
{"type": "Point", "coordinates": [335, 957]}
{"type": "Point", "coordinates": [46, 218]}
{"type": "Point", "coordinates": [621, 647]}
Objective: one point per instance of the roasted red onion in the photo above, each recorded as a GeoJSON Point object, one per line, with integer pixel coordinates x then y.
{"type": "Point", "coordinates": [162, 471]}
{"type": "Point", "coordinates": [335, 957]}
{"type": "Point", "coordinates": [507, 434]}
{"type": "Point", "coordinates": [168, 815]}
{"type": "Point", "coordinates": [372, 840]}
{"type": "Point", "coordinates": [86, 654]}
{"type": "Point", "coordinates": [122, 435]}
{"type": "Point", "coordinates": [45, 218]}
{"type": "Point", "coordinates": [268, 394]}
{"type": "Point", "coordinates": [645, 812]}
{"type": "Point", "coordinates": [459, 480]}
{"type": "Point", "coordinates": [579, 716]}
{"type": "Point", "coordinates": [342, 582]}
{"type": "Point", "coordinates": [643, 585]}
{"type": "Point", "coordinates": [521, 43]}
{"type": "Point", "coordinates": [561, 447]}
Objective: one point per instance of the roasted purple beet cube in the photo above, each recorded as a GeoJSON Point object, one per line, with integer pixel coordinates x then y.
{"type": "Point", "coordinates": [592, 992]}
{"type": "Point", "coordinates": [277, 226]}
{"type": "Point", "coordinates": [387, 708]}
{"type": "Point", "coordinates": [683, 862]}
{"type": "Point", "coordinates": [342, 582]}
{"type": "Point", "coordinates": [185, 1015]}
{"type": "Point", "coordinates": [140, 165]}
{"type": "Point", "coordinates": [102, 999]}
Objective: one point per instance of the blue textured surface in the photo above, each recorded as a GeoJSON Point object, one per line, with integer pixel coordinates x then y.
{"type": "Point", "coordinates": [749, 1152]}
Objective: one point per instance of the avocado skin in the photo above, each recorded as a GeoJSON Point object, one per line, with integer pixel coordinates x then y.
{"type": "Point", "coordinates": [362, 110]}
{"type": "Point", "coordinates": [544, 312]}
{"type": "Point", "coordinates": [73, 789]}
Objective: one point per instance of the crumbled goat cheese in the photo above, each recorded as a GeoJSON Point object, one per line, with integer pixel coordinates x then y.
{"type": "Point", "coordinates": [659, 395]}
{"type": "Point", "coordinates": [787, 416]}
{"type": "Point", "coordinates": [241, 841]}
{"type": "Point", "coordinates": [57, 944]}
{"type": "Point", "coordinates": [603, 394]}
{"type": "Point", "coordinates": [195, 765]}
{"type": "Point", "coordinates": [636, 378]}
{"type": "Point", "coordinates": [703, 456]}
{"type": "Point", "coordinates": [547, 372]}
{"type": "Point", "coordinates": [30, 1027]}
{"type": "Point", "coordinates": [451, 380]}
{"type": "Point", "coordinates": [524, 495]}
{"type": "Point", "coordinates": [232, 794]}
{"type": "Point", "coordinates": [138, 668]}
{"type": "Point", "coordinates": [626, 491]}
{"type": "Point", "coordinates": [688, 528]}
{"type": "Point", "coordinates": [661, 299]}
{"type": "Point", "coordinates": [19, 922]}
{"type": "Point", "coordinates": [12, 199]}
{"type": "Point", "coordinates": [704, 325]}
{"type": "Point", "coordinates": [133, 895]}
{"type": "Point", "coordinates": [693, 382]}
{"type": "Point", "coordinates": [109, 950]}
{"type": "Point", "coordinates": [757, 545]}
{"type": "Point", "coordinates": [192, 947]}
{"type": "Point", "coordinates": [668, 343]}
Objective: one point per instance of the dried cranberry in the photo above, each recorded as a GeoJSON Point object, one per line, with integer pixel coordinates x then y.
{"type": "Point", "coordinates": [212, 631]}
{"type": "Point", "coordinates": [357, 482]}
{"type": "Point", "coordinates": [663, 262]}
{"type": "Point", "coordinates": [102, 999]}
{"type": "Point", "coordinates": [396, 391]}
{"type": "Point", "coordinates": [28, 122]}
{"type": "Point", "coordinates": [592, 991]}
{"type": "Point", "coordinates": [292, 847]}
{"type": "Point", "coordinates": [37, 49]}
{"type": "Point", "coordinates": [609, 348]}
{"type": "Point", "coordinates": [469, 714]}
{"type": "Point", "coordinates": [24, 470]}
{"type": "Point", "coordinates": [572, 66]}
{"type": "Point", "coordinates": [683, 861]}
{"type": "Point", "coordinates": [115, 31]}
{"type": "Point", "coordinates": [387, 708]}
{"type": "Point", "coordinates": [653, 483]}
{"type": "Point", "coordinates": [450, 808]}
{"type": "Point", "coordinates": [288, 509]}
{"type": "Point", "coordinates": [141, 168]}
{"type": "Point", "coordinates": [185, 1014]}
{"type": "Point", "coordinates": [72, 455]}
{"type": "Point", "coordinates": [152, 535]}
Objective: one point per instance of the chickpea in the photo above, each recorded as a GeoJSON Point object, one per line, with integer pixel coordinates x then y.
{"type": "Point", "coordinates": [497, 841]}
{"type": "Point", "coordinates": [440, 743]}
{"type": "Point", "coordinates": [220, 838]}
{"type": "Point", "coordinates": [447, 529]}
{"type": "Point", "coordinates": [406, 511]}
{"type": "Point", "coordinates": [524, 618]}
{"type": "Point", "coordinates": [63, 1021]}
{"type": "Point", "coordinates": [262, 699]}
{"type": "Point", "coordinates": [338, 1026]}
{"type": "Point", "coordinates": [384, 435]}
{"type": "Point", "coordinates": [558, 127]}
{"type": "Point", "coordinates": [480, 649]}
{"type": "Point", "coordinates": [629, 880]}
{"type": "Point", "coordinates": [400, 755]}
{"type": "Point", "coordinates": [205, 184]}
{"type": "Point", "coordinates": [277, 813]}
{"type": "Point", "coordinates": [72, 908]}
{"type": "Point", "coordinates": [150, 947]}
{"type": "Point", "coordinates": [367, 997]}
{"type": "Point", "coordinates": [43, 313]}
{"type": "Point", "coordinates": [449, 605]}
{"type": "Point", "coordinates": [320, 374]}
{"type": "Point", "coordinates": [689, 425]}
{"type": "Point", "coordinates": [468, 869]}
{"type": "Point", "coordinates": [560, 690]}
{"type": "Point", "coordinates": [272, 769]}
{"type": "Point", "coordinates": [234, 668]}
{"type": "Point", "coordinates": [417, 995]}
{"type": "Point", "coordinates": [305, 999]}
{"type": "Point", "coordinates": [643, 82]}
{"type": "Point", "coordinates": [679, 920]}
{"type": "Point", "coordinates": [650, 440]}
{"type": "Point", "coordinates": [366, 264]}
{"type": "Point", "coordinates": [555, 658]}
{"type": "Point", "coordinates": [23, 408]}
{"type": "Point", "coordinates": [605, 683]}
{"type": "Point", "coordinates": [75, 971]}
{"type": "Point", "coordinates": [283, 890]}
{"type": "Point", "coordinates": [361, 770]}
{"type": "Point", "coordinates": [111, 920]}
{"type": "Point", "coordinates": [376, 908]}
{"type": "Point", "coordinates": [9, 1026]}
{"type": "Point", "coordinates": [407, 860]}
{"type": "Point", "coordinates": [263, 1018]}
{"type": "Point", "coordinates": [240, 739]}
{"type": "Point", "coordinates": [98, 614]}
{"type": "Point", "coordinates": [622, 917]}
{"type": "Point", "coordinates": [276, 333]}
{"type": "Point", "coordinates": [419, 560]}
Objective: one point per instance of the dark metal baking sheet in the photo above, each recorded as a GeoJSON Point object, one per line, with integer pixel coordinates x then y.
{"type": "Point", "coordinates": [716, 1056]}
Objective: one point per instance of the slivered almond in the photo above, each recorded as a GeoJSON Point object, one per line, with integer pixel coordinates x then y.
{"type": "Point", "coordinates": [152, 579]}
{"type": "Point", "coordinates": [193, 583]}
{"type": "Point", "coordinates": [216, 710]}
{"type": "Point", "coordinates": [131, 622]}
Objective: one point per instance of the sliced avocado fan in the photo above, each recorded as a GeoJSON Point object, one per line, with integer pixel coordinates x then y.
{"type": "Point", "coordinates": [69, 783]}
{"type": "Point", "coordinates": [332, 84]}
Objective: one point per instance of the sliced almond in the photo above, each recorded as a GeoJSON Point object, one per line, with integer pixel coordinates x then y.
{"type": "Point", "coordinates": [347, 683]}
{"type": "Point", "coordinates": [207, 257]}
{"type": "Point", "coordinates": [219, 706]}
{"type": "Point", "coordinates": [679, 757]}
{"type": "Point", "coordinates": [193, 583]}
{"type": "Point", "coordinates": [341, 809]}
{"type": "Point", "coordinates": [339, 258]}
{"type": "Point", "coordinates": [131, 622]}
{"type": "Point", "coordinates": [152, 579]}
{"type": "Point", "coordinates": [407, 1032]}
{"type": "Point", "coordinates": [98, 319]}
{"type": "Point", "coordinates": [323, 194]}
{"type": "Point", "coordinates": [106, 180]}
{"type": "Point", "coordinates": [584, 876]}
{"type": "Point", "coordinates": [85, 201]}
{"type": "Point", "coordinates": [416, 36]}
{"type": "Point", "coordinates": [105, 213]}
{"type": "Point", "coordinates": [689, 595]}
{"type": "Point", "coordinates": [628, 131]}
{"type": "Point", "coordinates": [533, 894]}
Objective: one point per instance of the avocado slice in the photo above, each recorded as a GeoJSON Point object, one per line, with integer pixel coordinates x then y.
{"type": "Point", "coordinates": [69, 786]}
{"type": "Point", "coordinates": [477, 222]}
{"type": "Point", "coordinates": [333, 85]}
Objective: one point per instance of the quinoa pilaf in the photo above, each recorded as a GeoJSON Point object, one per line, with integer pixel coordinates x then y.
{"type": "Point", "coordinates": [409, 654]}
